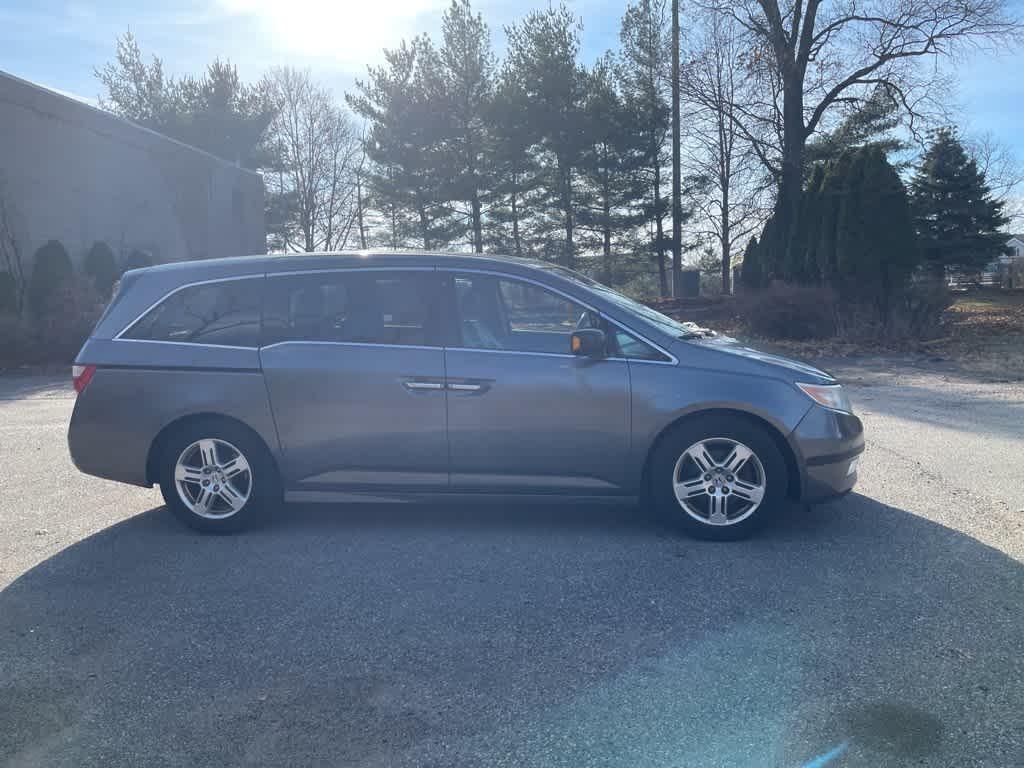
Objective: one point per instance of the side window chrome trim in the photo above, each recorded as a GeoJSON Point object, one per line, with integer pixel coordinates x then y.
{"type": "Point", "coordinates": [168, 295]}
{"type": "Point", "coordinates": [672, 359]}
{"type": "Point", "coordinates": [186, 344]}
{"type": "Point", "coordinates": [641, 361]}
{"type": "Point", "coordinates": [351, 344]}
{"type": "Point", "coordinates": [562, 355]}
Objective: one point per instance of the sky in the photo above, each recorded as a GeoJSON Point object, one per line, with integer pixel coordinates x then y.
{"type": "Point", "coordinates": [59, 43]}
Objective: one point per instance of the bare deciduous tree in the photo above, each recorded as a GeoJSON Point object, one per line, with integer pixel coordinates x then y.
{"type": "Point", "coordinates": [823, 54]}
{"type": "Point", "coordinates": [10, 248]}
{"type": "Point", "coordinates": [717, 152]}
{"type": "Point", "coordinates": [997, 163]}
{"type": "Point", "coordinates": [677, 191]}
{"type": "Point", "coordinates": [317, 151]}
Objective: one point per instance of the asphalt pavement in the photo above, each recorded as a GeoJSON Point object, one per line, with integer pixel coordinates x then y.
{"type": "Point", "coordinates": [884, 629]}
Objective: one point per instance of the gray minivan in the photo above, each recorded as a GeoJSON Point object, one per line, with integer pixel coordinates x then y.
{"type": "Point", "coordinates": [236, 383]}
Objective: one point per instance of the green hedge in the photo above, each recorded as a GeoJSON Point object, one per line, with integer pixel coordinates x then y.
{"type": "Point", "coordinates": [100, 266]}
{"type": "Point", "coordinates": [51, 267]}
{"type": "Point", "coordinates": [8, 294]}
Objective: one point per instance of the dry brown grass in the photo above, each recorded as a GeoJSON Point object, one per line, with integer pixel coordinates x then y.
{"type": "Point", "coordinates": [982, 332]}
{"type": "Point", "coordinates": [985, 334]}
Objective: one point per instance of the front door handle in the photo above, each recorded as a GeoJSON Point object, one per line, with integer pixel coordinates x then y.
{"type": "Point", "coordinates": [420, 386]}
{"type": "Point", "coordinates": [466, 387]}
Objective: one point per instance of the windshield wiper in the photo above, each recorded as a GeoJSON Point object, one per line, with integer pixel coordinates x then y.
{"type": "Point", "coordinates": [694, 331]}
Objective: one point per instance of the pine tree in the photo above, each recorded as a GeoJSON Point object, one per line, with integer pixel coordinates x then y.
{"type": "Point", "coordinates": [543, 50]}
{"type": "Point", "coordinates": [516, 174]}
{"type": "Point", "coordinates": [402, 145]}
{"type": "Point", "coordinates": [812, 216]}
{"type": "Point", "coordinates": [769, 253]}
{"type": "Point", "coordinates": [460, 88]}
{"type": "Point", "coordinates": [876, 249]}
{"type": "Point", "coordinates": [956, 217]}
{"type": "Point", "coordinates": [869, 123]}
{"type": "Point", "coordinates": [830, 197]}
{"type": "Point", "coordinates": [750, 269]}
{"type": "Point", "coordinates": [610, 183]}
{"type": "Point", "coordinates": [797, 263]}
{"type": "Point", "coordinates": [643, 74]}
{"type": "Point", "coordinates": [215, 111]}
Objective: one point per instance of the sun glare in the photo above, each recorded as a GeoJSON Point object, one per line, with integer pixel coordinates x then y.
{"type": "Point", "coordinates": [352, 32]}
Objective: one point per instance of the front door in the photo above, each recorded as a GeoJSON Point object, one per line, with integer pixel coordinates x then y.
{"type": "Point", "coordinates": [355, 373]}
{"type": "Point", "coordinates": [524, 414]}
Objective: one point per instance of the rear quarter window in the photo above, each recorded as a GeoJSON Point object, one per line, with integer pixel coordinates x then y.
{"type": "Point", "coordinates": [223, 313]}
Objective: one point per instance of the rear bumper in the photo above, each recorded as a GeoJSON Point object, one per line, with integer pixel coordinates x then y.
{"type": "Point", "coordinates": [831, 444]}
{"type": "Point", "coordinates": [100, 445]}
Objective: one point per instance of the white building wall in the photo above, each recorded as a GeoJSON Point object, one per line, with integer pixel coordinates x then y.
{"type": "Point", "coordinates": [1017, 246]}
{"type": "Point", "coordinates": [73, 173]}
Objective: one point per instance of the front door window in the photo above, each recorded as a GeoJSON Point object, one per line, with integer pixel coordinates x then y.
{"type": "Point", "coordinates": [505, 314]}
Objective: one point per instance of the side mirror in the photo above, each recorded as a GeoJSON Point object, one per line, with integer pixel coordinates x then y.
{"type": "Point", "coordinates": [588, 342]}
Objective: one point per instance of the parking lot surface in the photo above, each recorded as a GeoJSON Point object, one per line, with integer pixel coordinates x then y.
{"type": "Point", "coordinates": [884, 629]}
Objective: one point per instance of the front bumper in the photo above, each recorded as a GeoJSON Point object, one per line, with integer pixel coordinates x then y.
{"type": "Point", "coordinates": [830, 444]}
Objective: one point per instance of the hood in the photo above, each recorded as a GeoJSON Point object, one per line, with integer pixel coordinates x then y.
{"type": "Point", "coordinates": [732, 347]}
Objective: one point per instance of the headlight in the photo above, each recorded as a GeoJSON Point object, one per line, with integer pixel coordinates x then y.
{"type": "Point", "coordinates": [829, 395]}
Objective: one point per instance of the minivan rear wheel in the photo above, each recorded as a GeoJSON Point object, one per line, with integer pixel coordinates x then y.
{"type": "Point", "coordinates": [718, 477]}
{"type": "Point", "coordinates": [215, 476]}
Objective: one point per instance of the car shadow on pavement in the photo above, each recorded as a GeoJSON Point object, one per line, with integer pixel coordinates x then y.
{"type": "Point", "coordinates": [998, 416]}
{"type": "Point", "coordinates": [458, 515]}
{"type": "Point", "coordinates": [441, 636]}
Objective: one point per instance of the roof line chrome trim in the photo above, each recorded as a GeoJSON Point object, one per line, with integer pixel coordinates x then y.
{"type": "Point", "coordinates": [343, 270]}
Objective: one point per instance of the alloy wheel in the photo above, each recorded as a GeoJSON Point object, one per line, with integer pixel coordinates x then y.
{"type": "Point", "coordinates": [719, 481]}
{"type": "Point", "coordinates": [213, 478]}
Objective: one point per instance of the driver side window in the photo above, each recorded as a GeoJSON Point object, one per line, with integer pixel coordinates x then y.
{"type": "Point", "coordinates": [506, 314]}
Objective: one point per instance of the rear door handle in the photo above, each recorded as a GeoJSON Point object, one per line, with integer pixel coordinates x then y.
{"type": "Point", "coordinates": [469, 386]}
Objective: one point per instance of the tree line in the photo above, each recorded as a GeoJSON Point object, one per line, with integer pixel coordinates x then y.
{"type": "Point", "coordinates": [875, 250]}
{"type": "Point", "coordinates": [706, 121]}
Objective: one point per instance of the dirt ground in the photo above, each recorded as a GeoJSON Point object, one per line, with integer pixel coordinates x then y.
{"type": "Point", "coordinates": [985, 334]}
{"type": "Point", "coordinates": [982, 335]}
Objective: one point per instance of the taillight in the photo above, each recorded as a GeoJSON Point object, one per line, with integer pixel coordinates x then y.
{"type": "Point", "coordinates": [81, 375]}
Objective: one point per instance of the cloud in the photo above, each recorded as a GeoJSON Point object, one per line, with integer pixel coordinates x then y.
{"type": "Point", "coordinates": [349, 33]}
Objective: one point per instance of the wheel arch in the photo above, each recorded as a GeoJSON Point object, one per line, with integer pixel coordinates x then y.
{"type": "Point", "coordinates": [794, 479]}
{"type": "Point", "coordinates": [156, 447]}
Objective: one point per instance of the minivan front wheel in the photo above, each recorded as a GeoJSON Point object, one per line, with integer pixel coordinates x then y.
{"type": "Point", "coordinates": [718, 478]}
{"type": "Point", "coordinates": [215, 477]}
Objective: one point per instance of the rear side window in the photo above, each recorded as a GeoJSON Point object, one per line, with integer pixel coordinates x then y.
{"type": "Point", "coordinates": [222, 313]}
{"type": "Point", "coordinates": [387, 307]}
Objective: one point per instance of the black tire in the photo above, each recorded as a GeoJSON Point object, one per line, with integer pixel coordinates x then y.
{"type": "Point", "coordinates": [263, 484]}
{"type": "Point", "coordinates": [700, 428]}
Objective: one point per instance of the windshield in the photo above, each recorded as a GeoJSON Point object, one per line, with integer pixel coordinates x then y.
{"type": "Point", "coordinates": [678, 328]}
